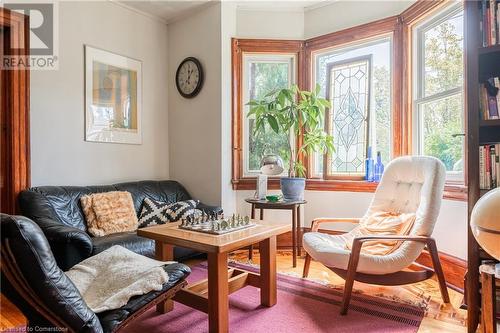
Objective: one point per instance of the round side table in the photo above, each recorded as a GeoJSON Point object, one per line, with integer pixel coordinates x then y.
{"type": "Point", "coordinates": [294, 206]}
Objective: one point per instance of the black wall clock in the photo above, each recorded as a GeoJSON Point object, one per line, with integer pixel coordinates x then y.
{"type": "Point", "coordinates": [189, 77]}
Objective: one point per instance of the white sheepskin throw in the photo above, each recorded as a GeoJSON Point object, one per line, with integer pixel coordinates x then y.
{"type": "Point", "coordinates": [109, 279]}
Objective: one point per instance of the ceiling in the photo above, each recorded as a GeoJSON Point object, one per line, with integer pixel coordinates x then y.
{"type": "Point", "coordinates": [281, 4]}
{"type": "Point", "coordinates": [168, 10]}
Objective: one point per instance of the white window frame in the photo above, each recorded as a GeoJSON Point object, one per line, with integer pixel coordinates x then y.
{"type": "Point", "coordinates": [347, 48]}
{"type": "Point", "coordinates": [419, 98]}
{"type": "Point", "coordinates": [288, 58]}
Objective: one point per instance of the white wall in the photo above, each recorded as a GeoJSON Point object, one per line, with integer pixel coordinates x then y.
{"type": "Point", "coordinates": [195, 124]}
{"type": "Point", "coordinates": [59, 154]}
{"type": "Point", "coordinates": [450, 231]}
{"type": "Point", "coordinates": [344, 14]}
{"type": "Point", "coordinates": [282, 24]}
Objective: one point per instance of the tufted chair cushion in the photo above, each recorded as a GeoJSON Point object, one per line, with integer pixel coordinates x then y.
{"type": "Point", "coordinates": [409, 184]}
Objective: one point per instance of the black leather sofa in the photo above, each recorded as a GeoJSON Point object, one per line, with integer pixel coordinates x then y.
{"type": "Point", "coordinates": [57, 210]}
{"type": "Point", "coordinates": [31, 279]}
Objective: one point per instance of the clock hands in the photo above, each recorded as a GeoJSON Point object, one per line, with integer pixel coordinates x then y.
{"type": "Point", "coordinates": [189, 77]}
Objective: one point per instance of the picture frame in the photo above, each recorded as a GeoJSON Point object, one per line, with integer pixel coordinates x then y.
{"type": "Point", "coordinates": [113, 97]}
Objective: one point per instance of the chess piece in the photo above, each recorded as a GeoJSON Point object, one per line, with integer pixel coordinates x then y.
{"type": "Point", "coordinates": [247, 220]}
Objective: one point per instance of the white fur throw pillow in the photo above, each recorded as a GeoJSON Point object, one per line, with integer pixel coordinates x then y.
{"type": "Point", "coordinates": [109, 212]}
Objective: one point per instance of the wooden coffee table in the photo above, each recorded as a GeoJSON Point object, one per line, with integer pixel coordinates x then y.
{"type": "Point", "coordinates": [212, 295]}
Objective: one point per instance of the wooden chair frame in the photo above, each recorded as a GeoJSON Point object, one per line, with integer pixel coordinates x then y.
{"type": "Point", "coordinates": [398, 278]}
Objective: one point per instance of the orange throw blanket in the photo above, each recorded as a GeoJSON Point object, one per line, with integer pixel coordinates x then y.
{"type": "Point", "coordinates": [377, 224]}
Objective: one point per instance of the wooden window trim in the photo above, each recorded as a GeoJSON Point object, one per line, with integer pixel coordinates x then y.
{"type": "Point", "coordinates": [240, 46]}
{"type": "Point", "coordinates": [399, 27]}
{"type": "Point", "coordinates": [451, 192]}
{"type": "Point", "coordinates": [411, 17]}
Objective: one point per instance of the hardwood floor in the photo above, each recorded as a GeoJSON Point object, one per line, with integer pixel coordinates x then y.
{"type": "Point", "coordinates": [440, 317]}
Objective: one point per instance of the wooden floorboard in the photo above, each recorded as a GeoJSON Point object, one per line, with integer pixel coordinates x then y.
{"type": "Point", "coordinates": [440, 317]}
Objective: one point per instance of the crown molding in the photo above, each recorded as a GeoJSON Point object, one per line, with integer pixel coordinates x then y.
{"type": "Point", "coordinates": [243, 6]}
{"type": "Point", "coordinates": [140, 12]}
{"type": "Point", "coordinates": [190, 11]}
{"type": "Point", "coordinates": [319, 5]}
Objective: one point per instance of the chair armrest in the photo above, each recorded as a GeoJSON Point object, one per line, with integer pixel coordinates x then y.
{"type": "Point", "coordinates": [358, 241]}
{"type": "Point", "coordinates": [209, 209]}
{"type": "Point", "coordinates": [316, 222]}
{"type": "Point", "coordinates": [69, 245]}
{"type": "Point", "coordinates": [421, 239]}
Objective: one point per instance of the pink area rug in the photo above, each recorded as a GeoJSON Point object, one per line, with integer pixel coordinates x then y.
{"type": "Point", "coordinates": [303, 306]}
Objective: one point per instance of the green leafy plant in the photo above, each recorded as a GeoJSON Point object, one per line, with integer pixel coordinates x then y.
{"type": "Point", "coordinates": [296, 111]}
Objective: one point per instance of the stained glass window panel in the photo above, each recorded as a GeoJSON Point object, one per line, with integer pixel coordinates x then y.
{"type": "Point", "coordinates": [349, 93]}
{"type": "Point", "coordinates": [380, 102]}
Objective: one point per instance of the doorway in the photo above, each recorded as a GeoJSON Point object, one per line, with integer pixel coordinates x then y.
{"type": "Point", "coordinates": [14, 111]}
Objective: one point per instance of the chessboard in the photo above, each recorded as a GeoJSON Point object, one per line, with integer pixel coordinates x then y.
{"type": "Point", "coordinates": [216, 225]}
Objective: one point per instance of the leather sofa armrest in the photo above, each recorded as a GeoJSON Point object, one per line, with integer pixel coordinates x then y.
{"type": "Point", "coordinates": [69, 245]}
{"type": "Point", "coordinates": [209, 209]}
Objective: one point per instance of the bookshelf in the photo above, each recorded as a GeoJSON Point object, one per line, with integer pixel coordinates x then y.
{"type": "Point", "coordinates": [489, 123]}
{"type": "Point", "coordinates": [481, 63]}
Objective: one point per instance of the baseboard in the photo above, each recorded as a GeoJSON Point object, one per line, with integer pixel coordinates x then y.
{"type": "Point", "coordinates": [454, 268]}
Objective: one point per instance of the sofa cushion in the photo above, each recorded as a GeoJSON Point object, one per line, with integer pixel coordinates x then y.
{"type": "Point", "coordinates": [155, 212]}
{"type": "Point", "coordinates": [128, 240]}
{"type": "Point", "coordinates": [137, 244]}
{"type": "Point", "coordinates": [109, 213]}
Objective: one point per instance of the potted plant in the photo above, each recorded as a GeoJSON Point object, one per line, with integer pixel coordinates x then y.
{"type": "Point", "coordinates": [300, 112]}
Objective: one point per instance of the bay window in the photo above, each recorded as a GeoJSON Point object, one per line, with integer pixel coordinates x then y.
{"type": "Point", "coordinates": [395, 86]}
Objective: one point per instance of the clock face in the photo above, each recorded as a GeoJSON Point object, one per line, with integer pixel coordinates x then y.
{"type": "Point", "coordinates": [189, 77]}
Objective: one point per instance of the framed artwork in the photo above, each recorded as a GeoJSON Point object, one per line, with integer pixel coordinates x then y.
{"type": "Point", "coordinates": [113, 97]}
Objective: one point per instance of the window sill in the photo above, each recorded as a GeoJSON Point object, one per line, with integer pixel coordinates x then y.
{"type": "Point", "coordinates": [451, 191]}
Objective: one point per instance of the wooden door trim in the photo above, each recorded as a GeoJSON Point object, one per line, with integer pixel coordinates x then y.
{"type": "Point", "coordinates": [18, 121]}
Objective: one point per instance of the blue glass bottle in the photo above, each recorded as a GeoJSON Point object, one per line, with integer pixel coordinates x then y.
{"type": "Point", "coordinates": [379, 168]}
{"type": "Point", "coordinates": [369, 164]}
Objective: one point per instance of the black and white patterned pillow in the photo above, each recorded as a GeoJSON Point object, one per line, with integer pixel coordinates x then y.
{"type": "Point", "coordinates": [155, 212]}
